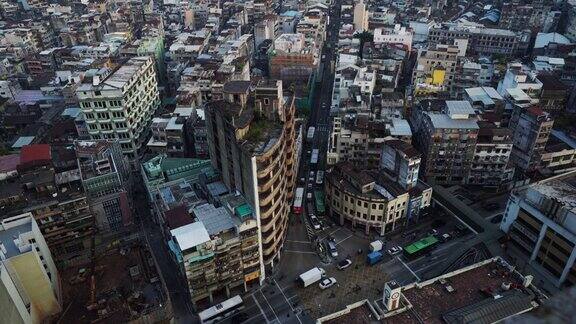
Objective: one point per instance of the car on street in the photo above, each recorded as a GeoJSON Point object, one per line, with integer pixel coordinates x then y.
{"type": "Point", "coordinates": [344, 264]}
{"type": "Point", "coordinates": [395, 250]}
{"type": "Point", "coordinates": [434, 232]}
{"type": "Point", "coordinates": [445, 237]}
{"type": "Point", "coordinates": [309, 185]}
{"type": "Point", "coordinates": [315, 222]}
{"type": "Point", "coordinates": [302, 180]}
{"type": "Point", "coordinates": [497, 219]}
{"type": "Point", "coordinates": [327, 283]}
{"type": "Point", "coordinates": [309, 196]}
{"type": "Point", "coordinates": [331, 247]}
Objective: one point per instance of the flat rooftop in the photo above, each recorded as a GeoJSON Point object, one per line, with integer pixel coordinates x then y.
{"type": "Point", "coordinates": [561, 188]}
{"type": "Point", "coordinates": [484, 294]}
{"type": "Point", "coordinates": [8, 236]}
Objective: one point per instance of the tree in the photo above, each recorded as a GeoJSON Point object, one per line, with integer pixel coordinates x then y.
{"type": "Point", "coordinates": [365, 37]}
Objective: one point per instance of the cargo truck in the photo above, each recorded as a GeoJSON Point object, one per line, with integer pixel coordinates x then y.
{"type": "Point", "coordinates": [311, 276]}
{"type": "Point", "coordinates": [376, 246]}
{"type": "Point", "coordinates": [374, 258]}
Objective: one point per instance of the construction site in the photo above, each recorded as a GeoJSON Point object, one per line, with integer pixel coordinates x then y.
{"type": "Point", "coordinates": [120, 284]}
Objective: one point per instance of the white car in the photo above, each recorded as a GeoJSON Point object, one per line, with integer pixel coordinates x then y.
{"type": "Point", "coordinates": [327, 283]}
{"type": "Point", "coordinates": [344, 264]}
{"type": "Point", "coordinates": [309, 196]}
{"type": "Point", "coordinates": [395, 250]}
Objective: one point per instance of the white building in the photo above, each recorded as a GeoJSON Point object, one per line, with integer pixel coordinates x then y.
{"type": "Point", "coordinates": [122, 105]}
{"type": "Point", "coordinates": [29, 280]}
{"type": "Point", "coordinates": [541, 223]}
{"type": "Point", "coordinates": [397, 35]}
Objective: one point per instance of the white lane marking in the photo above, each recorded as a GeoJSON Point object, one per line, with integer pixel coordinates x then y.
{"type": "Point", "coordinates": [298, 241]}
{"type": "Point", "coordinates": [305, 252]}
{"type": "Point", "coordinates": [407, 267]}
{"type": "Point", "coordinates": [261, 310]}
{"type": "Point", "coordinates": [272, 308]}
{"type": "Point", "coordinates": [287, 301]}
{"type": "Point", "coordinates": [344, 239]}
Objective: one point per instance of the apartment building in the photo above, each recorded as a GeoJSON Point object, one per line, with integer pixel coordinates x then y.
{"type": "Point", "coordinates": [218, 248]}
{"type": "Point", "coordinates": [55, 198]}
{"type": "Point", "coordinates": [106, 179]}
{"type": "Point", "coordinates": [251, 137]}
{"type": "Point", "coordinates": [481, 40]}
{"type": "Point", "coordinates": [121, 105]}
{"type": "Point", "coordinates": [445, 132]}
{"type": "Point", "coordinates": [531, 129]}
{"type": "Point", "coordinates": [435, 68]}
{"type": "Point", "coordinates": [368, 200]}
{"type": "Point", "coordinates": [490, 166]}
{"type": "Point", "coordinates": [400, 161]}
{"type": "Point", "coordinates": [171, 134]}
{"type": "Point", "coordinates": [397, 35]}
{"type": "Point", "coordinates": [293, 57]}
{"type": "Point", "coordinates": [358, 140]}
{"type": "Point", "coordinates": [353, 88]}
{"type": "Point", "coordinates": [29, 280]}
{"type": "Point", "coordinates": [539, 221]}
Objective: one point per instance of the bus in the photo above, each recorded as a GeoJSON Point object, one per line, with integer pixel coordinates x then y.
{"type": "Point", "coordinates": [298, 198]}
{"type": "Point", "coordinates": [310, 133]}
{"type": "Point", "coordinates": [221, 311]}
{"type": "Point", "coordinates": [319, 202]}
{"type": "Point", "coordinates": [420, 247]}
{"type": "Point", "coordinates": [319, 177]}
{"type": "Point", "coordinates": [314, 158]}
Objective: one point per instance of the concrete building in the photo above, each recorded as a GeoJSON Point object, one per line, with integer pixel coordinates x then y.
{"type": "Point", "coordinates": [171, 135]}
{"type": "Point", "coordinates": [370, 200]}
{"type": "Point", "coordinates": [218, 248]}
{"type": "Point", "coordinates": [29, 281]}
{"type": "Point", "coordinates": [251, 139]}
{"type": "Point", "coordinates": [401, 162]}
{"type": "Point", "coordinates": [446, 135]}
{"type": "Point", "coordinates": [121, 105]}
{"type": "Point", "coordinates": [353, 88]}
{"type": "Point", "coordinates": [539, 220]}
{"type": "Point", "coordinates": [396, 35]}
{"type": "Point", "coordinates": [360, 16]}
{"type": "Point", "coordinates": [490, 166]}
{"type": "Point", "coordinates": [531, 128]}
{"type": "Point", "coordinates": [435, 68]}
{"type": "Point", "coordinates": [106, 179]}
{"type": "Point", "coordinates": [293, 57]}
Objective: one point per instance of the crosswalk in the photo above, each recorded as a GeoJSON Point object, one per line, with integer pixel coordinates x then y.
{"type": "Point", "coordinates": [309, 229]}
{"type": "Point", "coordinates": [323, 128]}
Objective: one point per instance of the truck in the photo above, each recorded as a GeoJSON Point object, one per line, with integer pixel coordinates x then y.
{"type": "Point", "coordinates": [310, 133]}
{"type": "Point", "coordinates": [314, 158]}
{"type": "Point", "coordinates": [311, 276]}
{"type": "Point", "coordinates": [374, 258]}
{"type": "Point", "coordinates": [376, 246]}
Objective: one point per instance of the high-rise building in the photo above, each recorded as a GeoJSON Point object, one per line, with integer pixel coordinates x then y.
{"type": "Point", "coordinates": [446, 136]}
{"type": "Point", "coordinates": [121, 105]}
{"type": "Point", "coordinates": [29, 280]}
{"type": "Point", "coordinates": [531, 129]}
{"type": "Point", "coordinates": [539, 220]}
{"type": "Point", "coordinates": [360, 16]}
{"type": "Point", "coordinates": [251, 137]}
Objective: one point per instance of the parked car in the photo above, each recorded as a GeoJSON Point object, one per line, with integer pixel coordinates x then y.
{"type": "Point", "coordinates": [315, 223]}
{"type": "Point", "coordinates": [395, 250]}
{"type": "Point", "coordinates": [497, 219]}
{"type": "Point", "coordinates": [303, 180]}
{"type": "Point", "coordinates": [309, 185]}
{"type": "Point", "coordinates": [434, 232]}
{"type": "Point", "coordinates": [331, 246]}
{"type": "Point", "coordinates": [327, 283]}
{"type": "Point", "coordinates": [344, 264]}
{"type": "Point", "coordinates": [445, 237]}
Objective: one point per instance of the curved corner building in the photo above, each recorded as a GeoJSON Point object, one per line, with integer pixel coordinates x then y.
{"type": "Point", "coordinates": [251, 139]}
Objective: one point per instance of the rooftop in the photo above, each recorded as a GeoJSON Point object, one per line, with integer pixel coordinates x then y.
{"type": "Point", "coordinates": [190, 235]}
{"type": "Point", "coordinates": [560, 188]}
{"type": "Point", "coordinates": [443, 121]}
{"type": "Point", "coordinates": [10, 241]}
{"type": "Point", "coordinates": [215, 219]}
{"type": "Point", "coordinates": [485, 292]}
{"type": "Point", "coordinates": [485, 95]}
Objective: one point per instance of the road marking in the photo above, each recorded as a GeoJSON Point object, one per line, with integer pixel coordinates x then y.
{"type": "Point", "coordinates": [267, 302]}
{"type": "Point", "coordinates": [261, 310]}
{"type": "Point", "coordinates": [407, 267]}
{"type": "Point", "coordinates": [305, 252]}
{"type": "Point", "coordinates": [344, 239]}
{"type": "Point", "coordinates": [287, 301]}
{"type": "Point", "coordinates": [253, 317]}
{"type": "Point", "coordinates": [298, 241]}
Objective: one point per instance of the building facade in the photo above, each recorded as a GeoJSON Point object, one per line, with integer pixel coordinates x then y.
{"type": "Point", "coordinates": [251, 138]}
{"type": "Point", "coordinates": [121, 105]}
{"type": "Point", "coordinates": [539, 221]}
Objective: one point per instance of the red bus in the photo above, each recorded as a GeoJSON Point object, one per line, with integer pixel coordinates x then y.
{"type": "Point", "coordinates": [298, 198]}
